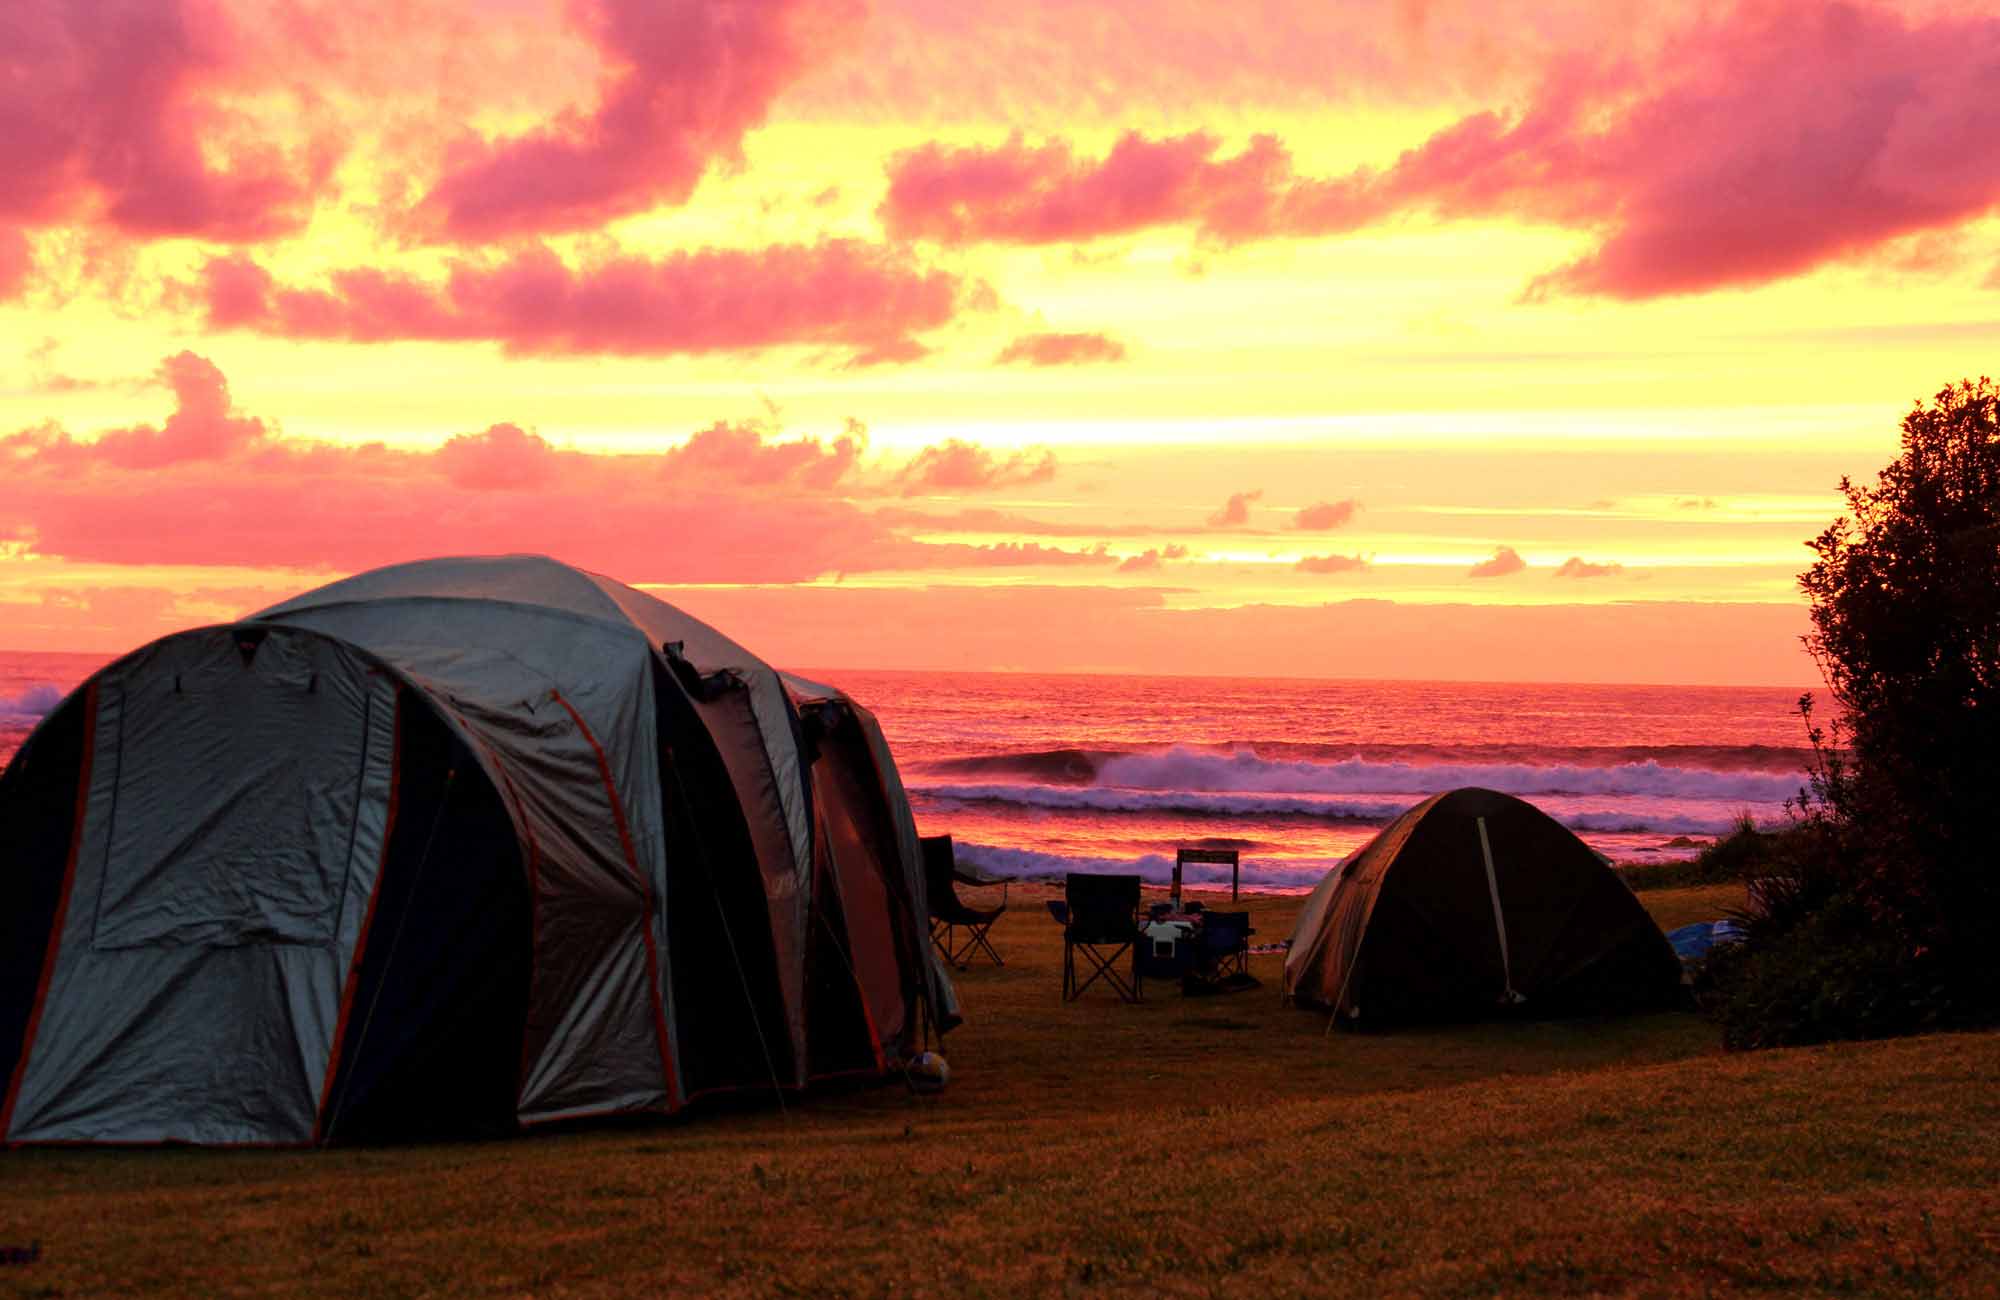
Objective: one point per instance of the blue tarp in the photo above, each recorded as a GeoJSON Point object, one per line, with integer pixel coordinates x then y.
{"type": "Point", "coordinates": [1693, 941]}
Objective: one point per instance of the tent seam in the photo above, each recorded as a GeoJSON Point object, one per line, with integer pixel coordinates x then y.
{"type": "Point", "coordinates": [353, 980]}
{"type": "Point", "coordinates": [645, 892]}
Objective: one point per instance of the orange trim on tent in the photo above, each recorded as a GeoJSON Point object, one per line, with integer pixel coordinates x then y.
{"type": "Point", "coordinates": [61, 914]}
{"type": "Point", "coordinates": [860, 990]}
{"type": "Point", "coordinates": [645, 889]}
{"type": "Point", "coordinates": [367, 922]}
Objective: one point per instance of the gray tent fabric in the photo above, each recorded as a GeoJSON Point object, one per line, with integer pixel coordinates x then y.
{"type": "Point", "coordinates": [182, 902]}
{"type": "Point", "coordinates": [237, 801]}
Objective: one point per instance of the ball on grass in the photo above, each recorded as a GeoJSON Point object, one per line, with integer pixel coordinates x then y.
{"type": "Point", "coordinates": [928, 1072]}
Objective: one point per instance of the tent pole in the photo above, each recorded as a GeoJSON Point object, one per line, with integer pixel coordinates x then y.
{"type": "Point", "coordinates": [1499, 920]}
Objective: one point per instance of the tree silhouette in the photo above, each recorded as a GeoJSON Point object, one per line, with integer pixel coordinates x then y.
{"type": "Point", "coordinates": [1905, 594]}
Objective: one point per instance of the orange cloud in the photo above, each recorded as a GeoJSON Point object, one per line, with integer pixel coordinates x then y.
{"type": "Point", "coordinates": [1578, 567]}
{"type": "Point", "coordinates": [1236, 511]}
{"type": "Point", "coordinates": [940, 555]}
{"type": "Point", "coordinates": [1061, 350]}
{"type": "Point", "coordinates": [840, 292]}
{"type": "Point", "coordinates": [955, 465]}
{"type": "Point", "coordinates": [212, 486]}
{"type": "Point", "coordinates": [985, 519]}
{"type": "Point", "coordinates": [1505, 561]}
{"type": "Point", "coordinates": [16, 260]}
{"type": "Point", "coordinates": [1323, 516]}
{"type": "Point", "coordinates": [1331, 564]}
{"type": "Point", "coordinates": [1152, 558]}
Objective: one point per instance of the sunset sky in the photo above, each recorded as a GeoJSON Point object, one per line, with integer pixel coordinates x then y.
{"type": "Point", "coordinates": [1387, 338]}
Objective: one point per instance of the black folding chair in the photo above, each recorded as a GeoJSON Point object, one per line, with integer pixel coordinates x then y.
{"type": "Point", "coordinates": [1102, 925]}
{"type": "Point", "coordinates": [950, 913]}
{"type": "Point", "coordinates": [1225, 944]}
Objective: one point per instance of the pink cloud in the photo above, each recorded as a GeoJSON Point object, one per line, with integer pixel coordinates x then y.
{"type": "Point", "coordinates": [1578, 567]}
{"type": "Point", "coordinates": [1745, 149]}
{"type": "Point", "coordinates": [111, 113]}
{"type": "Point", "coordinates": [1236, 511]}
{"type": "Point", "coordinates": [212, 485]}
{"type": "Point", "coordinates": [1331, 564]}
{"type": "Point", "coordinates": [1324, 516]}
{"type": "Point", "coordinates": [1061, 350]}
{"type": "Point", "coordinates": [840, 292]}
{"type": "Point", "coordinates": [956, 465]}
{"type": "Point", "coordinates": [504, 456]}
{"type": "Point", "coordinates": [684, 80]}
{"type": "Point", "coordinates": [1042, 194]}
{"type": "Point", "coordinates": [742, 454]}
{"type": "Point", "coordinates": [1504, 561]}
{"type": "Point", "coordinates": [203, 427]}
{"type": "Point", "coordinates": [1056, 62]}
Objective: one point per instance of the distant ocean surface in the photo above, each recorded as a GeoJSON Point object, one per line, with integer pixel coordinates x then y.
{"type": "Point", "coordinates": [1036, 775]}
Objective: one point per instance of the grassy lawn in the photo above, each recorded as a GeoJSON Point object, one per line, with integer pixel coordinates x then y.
{"type": "Point", "coordinates": [1183, 1146]}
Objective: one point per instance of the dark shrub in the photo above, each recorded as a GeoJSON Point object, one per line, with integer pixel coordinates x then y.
{"type": "Point", "coordinates": [1881, 914]}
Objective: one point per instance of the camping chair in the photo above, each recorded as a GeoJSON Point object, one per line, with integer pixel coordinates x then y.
{"type": "Point", "coordinates": [1225, 943]}
{"type": "Point", "coordinates": [1100, 925]}
{"type": "Point", "coordinates": [949, 912]}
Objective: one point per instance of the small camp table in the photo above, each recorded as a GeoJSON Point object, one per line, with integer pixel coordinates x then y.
{"type": "Point", "coordinates": [1217, 857]}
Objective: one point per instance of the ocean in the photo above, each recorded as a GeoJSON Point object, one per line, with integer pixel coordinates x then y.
{"type": "Point", "coordinates": [1035, 775]}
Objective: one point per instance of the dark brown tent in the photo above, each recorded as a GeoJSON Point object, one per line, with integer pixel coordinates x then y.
{"type": "Point", "coordinates": [1473, 902]}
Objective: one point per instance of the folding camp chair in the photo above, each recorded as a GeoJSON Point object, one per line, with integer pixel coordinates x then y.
{"type": "Point", "coordinates": [949, 913]}
{"type": "Point", "coordinates": [1225, 944]}
{"type": "Point", "coordinates": [1102, 925]}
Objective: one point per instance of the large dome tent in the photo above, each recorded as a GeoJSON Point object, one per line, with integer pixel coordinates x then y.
{"type": "Point", "coordinates": [1471, 903]}
{"type": "Point", "coordinates": [451, 846]}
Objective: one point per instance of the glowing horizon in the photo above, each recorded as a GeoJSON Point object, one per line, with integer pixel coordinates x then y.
{"type": "Point", "coordinates": [1524, 343]}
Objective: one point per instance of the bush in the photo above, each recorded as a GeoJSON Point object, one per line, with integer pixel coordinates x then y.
{"type": "Point", "coordinates": [1881, 912]}
{"type": "Point", "coordinates": [1834, 974]}
{"type": "Point", "coordinates": [1745, 852]}
{"type": "Point", "coordinates": [1816, 962]}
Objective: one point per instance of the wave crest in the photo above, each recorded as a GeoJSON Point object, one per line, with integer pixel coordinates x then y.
{"type": "Point", "coordinates": [1243, 772]}
{"type": "Point", "coordinates": [33, 702]}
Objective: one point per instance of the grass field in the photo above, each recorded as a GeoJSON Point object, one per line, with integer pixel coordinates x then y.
{"type": "Point", "coordinates": [1184, 1146]}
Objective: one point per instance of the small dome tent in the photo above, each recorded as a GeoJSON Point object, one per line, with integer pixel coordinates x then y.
{"type": "Point", "coordinates": [447, 847]}
{"type": "Point", "coordinates": [1470, 902]}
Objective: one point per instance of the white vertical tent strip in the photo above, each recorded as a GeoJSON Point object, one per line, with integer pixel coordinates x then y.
{"type": "Point", "coordinates": [1499, 920]}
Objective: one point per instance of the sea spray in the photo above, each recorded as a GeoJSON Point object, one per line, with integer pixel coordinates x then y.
{"type": "Point", "coordinates": [31, 702]}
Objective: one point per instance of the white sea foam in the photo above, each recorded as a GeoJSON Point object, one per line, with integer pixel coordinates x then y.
{"type": "Point", "coordinates": [1100, 799]}
{"type": "Point", "coordinates": [1636, 815]}
{"type": "Point", "coordinates": [1243, 772]}
{"type": "Point", "coordinates": [32, 702]}
{"type": "Point", "coordinates": [1026, 864]}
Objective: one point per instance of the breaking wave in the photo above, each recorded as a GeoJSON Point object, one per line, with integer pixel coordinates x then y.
{"type": "Point", "coordinates": [33, 702]}
{"type": "Point", "coordinates": [1208, 803]}
{"type": "Point", "coordinates": [1709, 771]}
{"type": "Point", "coordinates": [1026, 864]}
{"type": "Point", "coordinates": [1243, 772]}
